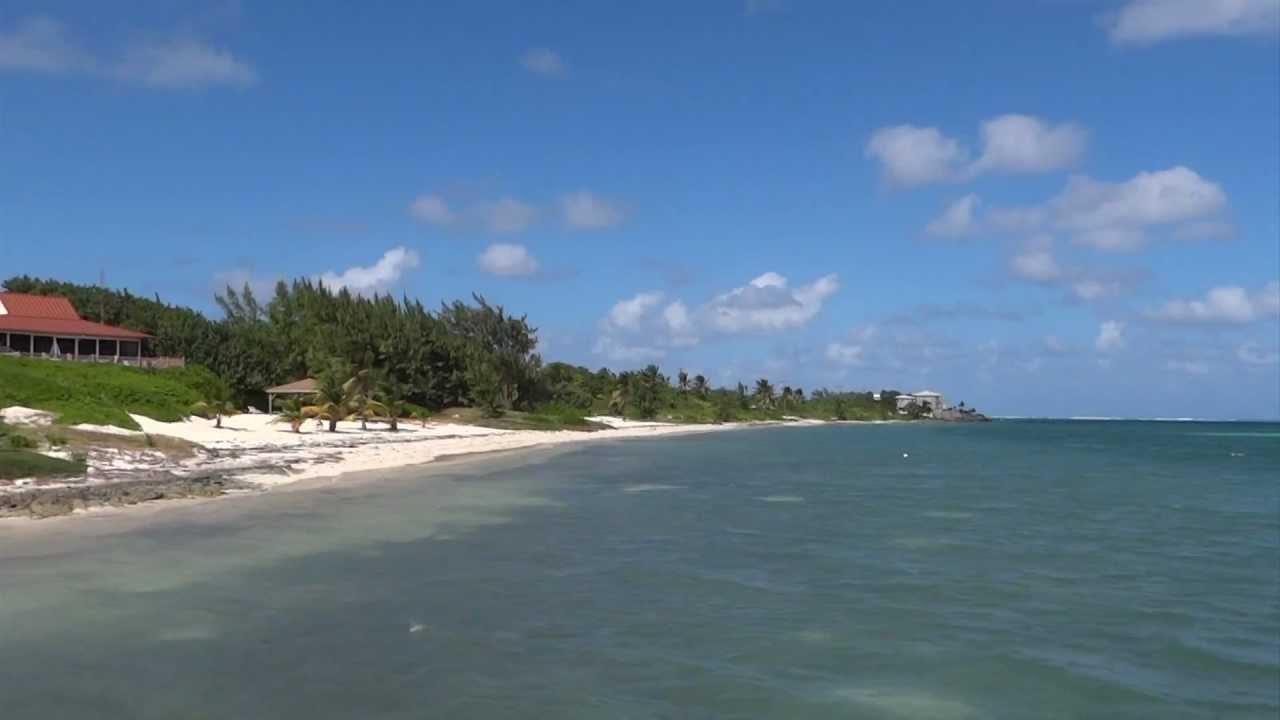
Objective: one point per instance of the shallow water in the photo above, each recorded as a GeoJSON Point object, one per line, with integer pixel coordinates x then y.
{"type": "Point", "coordinates": [1010, 570]}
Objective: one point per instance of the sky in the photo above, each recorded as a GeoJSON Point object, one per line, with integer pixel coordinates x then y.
{"type": "Point", "coordinates": [1052, 208]}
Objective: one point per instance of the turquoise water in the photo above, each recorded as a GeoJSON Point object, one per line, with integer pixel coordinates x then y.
{"type": "Point", "coordinates": [1010, 570]}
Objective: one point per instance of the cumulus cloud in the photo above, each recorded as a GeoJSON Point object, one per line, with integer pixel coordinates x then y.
{"type": "Point", "coordinates": [433, 209]}
{"type": "Point", "coordinates": [768, 303]}
{"type": "Point", "coordinates": [649, 322]}
{"type": "Point", "coordinates": [1110, 336]}
{"type": "Point", "coordinates": [507, 260]}
{"type": "Point", "coordinates": [42, 44]}
{"type": "Point", "coordinates": [957, 220]}
{"type": "Point", "coordinates": [1035, 261]}
{"type": "Point", "coordinates": [627, 314]}
{"type": "Point", "coordinates": [380, 276]}
{"type": "Point", "coordinates": [506, 215]}
{"type": "Point", "coordinates": [543, 61]}
{"type": "Point", "coordinates": [1144, 22]}
{"type": "Point", "coordinates": [587, 211]}
{"type": "Point", "coordinates": [1116, 216]}
{"type": "Point", "coordinates": [910, 155]}
{"type": "Point", "coordinates": [1026, 144]}
{"type": "Point", "coordinates": [1223, 305]}
{"type": "Point", "coordinates": [183, 64]}
{"type": "Point", "coordinates": [1113, 216]}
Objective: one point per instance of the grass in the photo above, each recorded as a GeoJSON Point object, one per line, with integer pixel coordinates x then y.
{"type": "Point", "coordinates": [547, 418]}
{"type": "Point", "coordinates": [101, 394]}
{"type": "Point", "coordinates": [16, 464]}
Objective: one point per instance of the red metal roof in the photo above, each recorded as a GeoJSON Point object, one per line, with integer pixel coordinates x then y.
{"type": "Point", "coordinates": [49, 315]}
{"type": "Point", "coordinates": [38, 306]}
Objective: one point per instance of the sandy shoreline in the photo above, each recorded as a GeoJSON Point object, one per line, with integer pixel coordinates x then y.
{"type": "Point", "coordinates": [256, 454]}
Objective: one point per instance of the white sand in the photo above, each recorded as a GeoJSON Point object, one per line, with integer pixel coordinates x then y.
{"type": "Point", "coordinates": [18, 415]}
{"type": "Point", "coordinates": [255, 449]}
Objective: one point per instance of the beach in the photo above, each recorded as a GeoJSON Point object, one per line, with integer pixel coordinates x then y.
{"type": "Point", "coordinates": [253, 453]}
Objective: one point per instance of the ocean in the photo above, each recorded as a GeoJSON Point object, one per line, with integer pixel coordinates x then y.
{"type": "Point", "coordinates": [1019, 569]}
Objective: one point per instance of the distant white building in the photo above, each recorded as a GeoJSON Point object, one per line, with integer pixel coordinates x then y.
{"type": "Point", "coordinates": [929, 398]}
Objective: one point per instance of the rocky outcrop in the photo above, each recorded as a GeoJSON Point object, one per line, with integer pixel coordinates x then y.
{"type": "Point", "coordinates": [50, 502]}
{"type": "Point", "coordinates": [960, 415]}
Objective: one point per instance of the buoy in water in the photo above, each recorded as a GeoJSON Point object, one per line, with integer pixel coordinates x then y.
{"type": "Point", "coordinates": [905, 455]}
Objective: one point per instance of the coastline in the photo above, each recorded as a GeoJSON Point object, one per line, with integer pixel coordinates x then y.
{"type": "Point", "coordinates": [250, 455]}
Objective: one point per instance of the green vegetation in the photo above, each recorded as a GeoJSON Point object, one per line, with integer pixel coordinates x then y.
{"type": "Point", "coordinates": [17, 461]}
{"type": "Point", "coordinates": [376, 357]}
{"type": "Point", "coordinates": [100, 394]}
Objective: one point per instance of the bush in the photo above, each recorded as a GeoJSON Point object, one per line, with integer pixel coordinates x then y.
{"type": "Point", "coordinates": [16, 464]}
{"type": "Point", "coordinates": [21, 442]}
{"type": "Point", "coordinates": [56, 440]}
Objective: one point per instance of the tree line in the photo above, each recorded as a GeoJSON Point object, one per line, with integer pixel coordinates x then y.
{"type": "Point", "coordinates": [399, 353]}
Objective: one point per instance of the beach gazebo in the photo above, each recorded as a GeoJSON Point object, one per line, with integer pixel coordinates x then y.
{"type": "Point", "coordinates": [305, 386]}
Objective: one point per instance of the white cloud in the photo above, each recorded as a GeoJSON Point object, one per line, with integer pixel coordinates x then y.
{"type": "Point", "coordinates": [382, 275]}
{"type": "Point", "coordinates": [1116, 216]}
{"type": "Point", "coordinates": [680, 325]}
{"type": "Point", "coordinates": [957, 220]}
{"type": "Point", "coordinates": [1143, 22]}
{"type": "Point", "coordinates": [767, 304]}
{"type": "Point", "coordinates": [1035, 262]}
{"type": "Point", "coordinates": [1223, 305]}
{"type": "Point", "coordinates": [644, 323]}
{"type": "Point", "coordinates": [845, 354]}
{"type": "Point", "coordinates": [507, 260]}
{"type": "Point", "coordinates": [183, 64]}
{"type": "Point", "coordinates": [627, 314]}
{"type": "Point", "coordinates": [430, 208]}
{"type": "Point", "coordinates": [1103, 212]}
{"type": "Point", "coordinates": [1188, 367]}
{"type": "Point", "coordinates": [1026, 144]}
{"type": "Point", "coordinates": [41, 44]}
{"type": "Point", "coordinates": [543, 61]}
{"type": "Point", "coordinates": [508, 215]}
{"type": "Point", "coordinates": [1252, 354]}
{"type": "Point", "coordinates": [911, 155]}
{"type": "Point", "coordinates": [1110, 336]}
{"type": "Point", "coordinates": [587, 211]}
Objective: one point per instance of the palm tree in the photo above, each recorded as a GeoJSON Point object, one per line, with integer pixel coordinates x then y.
{"type": "Point", "coordinates": [360, 391]}
{"type": "Point", "coordinates": [682, 382]}
{"type": "Point", "coordinates": [291, 412]}
{"type": "Point", "coordinates": [700, 385]}
{"type": "Point", "coordinates": [217, 404]}
{"type": "Point", "coordinates": [764, 393]}
{"type": "Point", "coordinates": [332, 401]}
{"type": "Point", "coordinates": [391, 395]}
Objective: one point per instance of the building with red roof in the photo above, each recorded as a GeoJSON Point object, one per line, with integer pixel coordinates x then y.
{"type": "Point", "coordinates": [49, 326]}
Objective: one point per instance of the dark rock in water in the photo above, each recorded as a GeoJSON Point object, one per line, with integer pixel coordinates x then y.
{"type": "Point", "coordinates": [51, 502]}
{"type": "Point", "coordinates": [960, 415]}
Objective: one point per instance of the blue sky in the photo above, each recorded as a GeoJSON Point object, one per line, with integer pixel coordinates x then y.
{"type": "Point", "coordinates": [1052, 208]}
